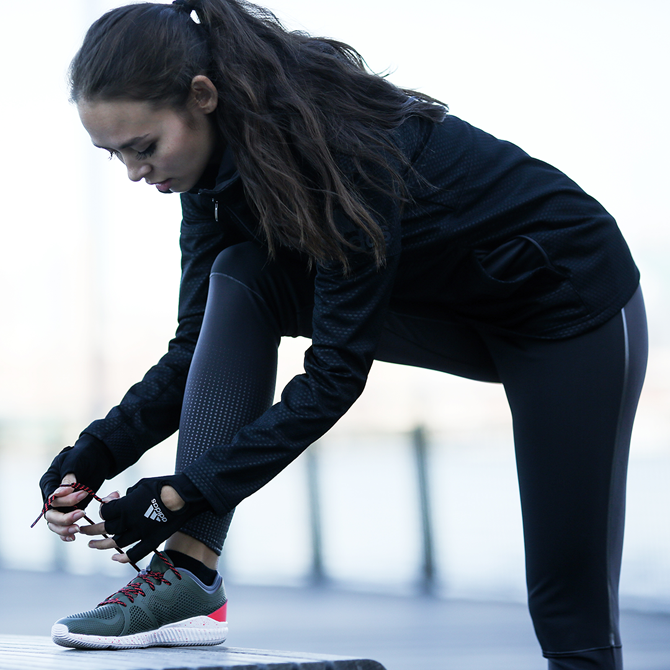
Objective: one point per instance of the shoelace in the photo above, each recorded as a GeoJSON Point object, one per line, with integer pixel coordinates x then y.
{"type": "Point", "coordinates": [49, 501]}
{"type": "Point", "coordinates": [134, 587]}
{"type": "Point", "coordinates": [82, 487]}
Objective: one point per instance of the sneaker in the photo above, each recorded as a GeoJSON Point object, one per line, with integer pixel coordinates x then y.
{"type": "Point", "coordinates": [162, 607]}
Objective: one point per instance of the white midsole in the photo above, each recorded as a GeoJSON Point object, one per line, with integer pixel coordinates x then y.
{"type": "Point", "coordinates": [200, 630]}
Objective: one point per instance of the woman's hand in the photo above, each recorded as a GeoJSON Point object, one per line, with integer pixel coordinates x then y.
{"type": "Point", "coordinates": [99, 529]}
{"type": "Point", "coordinates": [89, 462]}
{"type": "Point", "coordinates": [64, 523]}
{"type": "Point", "coordinates": [150, 512]}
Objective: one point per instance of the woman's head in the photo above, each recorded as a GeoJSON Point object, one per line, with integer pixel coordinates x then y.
{"type": "Point", "coordinates": [142, 91]}
{"type": "Point", "coordinates": [167, 147]}
{"type": "Point", "coordinates": [291, 107]}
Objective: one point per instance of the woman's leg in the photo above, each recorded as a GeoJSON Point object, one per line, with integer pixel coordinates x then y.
{"type": "Point", "coordinates": [573, 403]}
{"type": "Point", "coordinates": [251, 303]}
{"type": "Point", "coordinates": [445, 345]}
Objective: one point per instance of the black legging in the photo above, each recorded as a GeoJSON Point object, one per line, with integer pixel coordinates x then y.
{"type": "Point", "coordinates": [573, 402]}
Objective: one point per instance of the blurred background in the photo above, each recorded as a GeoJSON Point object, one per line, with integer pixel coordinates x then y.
{"type": "Point", "coordinates": [415, 489]}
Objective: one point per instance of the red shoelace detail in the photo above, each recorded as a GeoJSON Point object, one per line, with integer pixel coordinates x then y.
{"type": "Point", "coordinates": [134, 587]}
{"type": "Point", "coordinates": [50, 501]}
{"type": "Point", "coordinates": [82, 487]}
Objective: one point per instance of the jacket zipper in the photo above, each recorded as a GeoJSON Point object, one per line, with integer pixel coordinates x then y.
{"type": "Point", "coordinates": [216, 210]}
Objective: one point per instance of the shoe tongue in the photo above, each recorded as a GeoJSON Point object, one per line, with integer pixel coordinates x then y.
{"type": "Point", "coordinates": [157, 564]}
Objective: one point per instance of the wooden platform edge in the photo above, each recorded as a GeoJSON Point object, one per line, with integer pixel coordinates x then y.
{"type": "Point", "coordinates": [31, 652]}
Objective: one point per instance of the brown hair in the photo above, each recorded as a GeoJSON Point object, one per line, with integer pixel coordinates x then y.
{"type": "Point", "coordinates": [293, 109]}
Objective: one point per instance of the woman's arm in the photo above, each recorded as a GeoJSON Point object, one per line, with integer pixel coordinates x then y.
{"type": "Point", "coordinates": [349, 313]}
{"type": "Point", "coordinates": [149, 412]}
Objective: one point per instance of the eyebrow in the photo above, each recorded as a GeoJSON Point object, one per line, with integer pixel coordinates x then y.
{"type": "Point", "coordinates": [125, 145]}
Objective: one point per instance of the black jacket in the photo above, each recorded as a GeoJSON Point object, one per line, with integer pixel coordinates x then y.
{"type": "Point", "coordinates": [491, 236]}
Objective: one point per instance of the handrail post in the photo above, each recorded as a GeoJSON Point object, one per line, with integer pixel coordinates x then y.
{"type": "Point", "coordinates": [313, 491]}
{"type": "Point", "coordinates": [420, 448]}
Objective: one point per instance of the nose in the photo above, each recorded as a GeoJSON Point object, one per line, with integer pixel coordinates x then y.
{"type": "Point", "coordinates": [137, 171]}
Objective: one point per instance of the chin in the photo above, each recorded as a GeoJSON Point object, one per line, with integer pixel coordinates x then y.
{"type": "Point", "coordinates": [180, 188]}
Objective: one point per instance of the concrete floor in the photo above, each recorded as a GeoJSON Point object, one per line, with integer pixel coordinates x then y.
{"type": "Point", "coordinates": [402, 633]}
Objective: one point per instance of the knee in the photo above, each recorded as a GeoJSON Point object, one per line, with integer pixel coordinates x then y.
{"type": "Point", "coordinates": [284, 288]}
{"type": "Point", "coordinates": [243, 262]}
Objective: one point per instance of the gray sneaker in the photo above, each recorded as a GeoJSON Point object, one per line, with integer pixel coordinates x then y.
{"type": "Point", "coordinates": [161, 607]}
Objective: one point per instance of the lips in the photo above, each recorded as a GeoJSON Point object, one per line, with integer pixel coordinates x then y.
{"type": "Point", "coordinates": [162, 186]}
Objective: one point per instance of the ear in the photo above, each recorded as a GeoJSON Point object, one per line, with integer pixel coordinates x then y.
{"type": "Point", "coordinates": [204, 97]}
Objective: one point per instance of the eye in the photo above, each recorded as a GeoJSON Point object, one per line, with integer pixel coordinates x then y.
{"type": "Point", "coordinates": [146, 153]}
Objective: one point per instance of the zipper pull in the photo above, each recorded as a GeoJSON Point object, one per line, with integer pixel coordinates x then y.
{"type": "Point", "coordinates": [216, 211]}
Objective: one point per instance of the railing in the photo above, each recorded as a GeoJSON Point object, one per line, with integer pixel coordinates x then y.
{"type": "Point", "coordinates": [389, 512]}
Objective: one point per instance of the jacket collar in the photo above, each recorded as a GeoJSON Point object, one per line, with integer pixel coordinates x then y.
{"type": "Point", "coordinates": [226, 175]}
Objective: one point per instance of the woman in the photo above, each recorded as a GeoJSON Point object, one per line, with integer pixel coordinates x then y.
{"type": "Point", "coordinates": [322, 201]}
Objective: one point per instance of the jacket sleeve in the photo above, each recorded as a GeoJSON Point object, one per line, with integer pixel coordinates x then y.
{"type": "Point", "coordinates": [149, 412]}
{"type": "Point", "coordinates": [349, 313]}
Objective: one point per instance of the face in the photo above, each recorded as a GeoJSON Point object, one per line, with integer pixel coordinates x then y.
{"type": "Point", "coordinates": [168, 149]}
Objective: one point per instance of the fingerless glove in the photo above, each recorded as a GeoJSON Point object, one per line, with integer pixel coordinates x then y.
{"type": "Point", "coordinates": [89, 460]}
{"type": "Point", "coordinates": [142, 517]}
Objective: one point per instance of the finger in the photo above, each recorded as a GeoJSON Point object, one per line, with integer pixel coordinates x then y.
{"type": "Point", "coordinates": [64, 519]}
{"type": "Point", "coordinates": [66, 497]}
{"type": "Point", "coordinates": [121, 558]}
{"type": "Point", "coordinates": [95, 529]}
{"type": "Point", "coordinates": [63, 523]}
{"type": "Point", "coordinates": [115, 495]}
{"type": "Point", "coordinates": [106, 543]}
{"type": "Point", "coordinates": [139, 550]}
{"type": "Point", "coordinates": [109, 503]}
{"type": "Point", "coordinates": [65, 532]}
{"type": "Point", "coordinates": [66, 482]}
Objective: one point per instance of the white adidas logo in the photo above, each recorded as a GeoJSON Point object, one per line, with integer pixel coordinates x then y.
{"type": "Point", "coordinates": [154, 512]}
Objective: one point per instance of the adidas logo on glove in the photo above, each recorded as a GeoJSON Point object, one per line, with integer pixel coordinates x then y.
{"type": "Point", "coordinates": [155, 512]}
